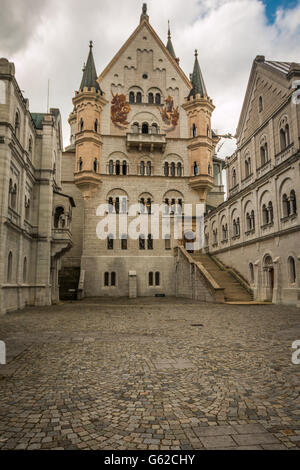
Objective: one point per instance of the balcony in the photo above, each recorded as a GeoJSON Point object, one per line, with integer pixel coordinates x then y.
{"type": "Point", "coordinates": [285, 154]}
{"type": "Point", "coordinates": [246, 181]}
{"type": "Point", "coordinates": [61, 241]}
{"type": "Point", "coordinates": [233, 191]}
{"type": "Point", "coordinates": [146, 142]}
{"type": "Point", "coordinates": [267, 166]}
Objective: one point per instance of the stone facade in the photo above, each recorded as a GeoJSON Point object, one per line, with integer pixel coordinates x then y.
{"type": "Point", "coordinates": [257, 230]}
{"type": "Point", "coordinates": [140, 132]}
{"type": "Point", "coordinates": [33, 234]}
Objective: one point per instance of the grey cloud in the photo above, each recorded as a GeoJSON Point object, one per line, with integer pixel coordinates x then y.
{"type": "Point", "coordinates": [18, 21]}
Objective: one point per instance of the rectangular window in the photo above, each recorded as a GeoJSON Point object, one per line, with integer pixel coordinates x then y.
{"type": "Point", "coordinates": [106, 279]}
{"type": "Point", "coordinates": [150, 279]}
{"type": "Point", "coordinates": [167, 242]}
{"type": "Point", "coordinates": [157, 278]}
{"type": "Point", "coordinates": [113, 279]}
{"type": "Point", "coordinates": [124, 243]}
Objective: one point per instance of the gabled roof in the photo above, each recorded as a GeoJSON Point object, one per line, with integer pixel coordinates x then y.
{"type": "Point", "coordinates": [89, 78]}
{"type": "Point", "coordinates": [145, 22]}
{"type": "Point", "coordinates": [280, 69]}
{"type": "Point", "coordinates": [197, 80]}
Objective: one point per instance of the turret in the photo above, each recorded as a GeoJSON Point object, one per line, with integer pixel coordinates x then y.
{"type": "Point", "coordinates": [169, 45]}
{"type": "Point", "coordinates": [88, 103]}
{"type": "Point", "coordinates": [199, 108]}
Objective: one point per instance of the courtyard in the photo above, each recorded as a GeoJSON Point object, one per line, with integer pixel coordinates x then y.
{"type": "Point", "coordinates": [155, 374]}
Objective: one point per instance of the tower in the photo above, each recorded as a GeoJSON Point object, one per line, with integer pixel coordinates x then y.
{"type": "Point", "coordinates": [199, 108]}
{"type": "Point", "coordinates": [88, 103]}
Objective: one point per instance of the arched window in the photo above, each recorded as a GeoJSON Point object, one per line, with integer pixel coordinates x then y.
{"type": "Point", "coordinates": [124, 167]}
{"type": "Point", "coordinates": [151, 279]}
{"type": "Point", "coordinates": [96, 125]}
{"type": "Point", "coordinates": [59, 211]}
{"type": "Point", "coordinates": [124, 205]}
{"type": "Point", "coordinates": [148, 168]}
{"type": "Point", "coordinates": [287, 134]}
{"type": "Point", "coordinates": [14, 196]}
{"type": "Point", "coordinates": [157, 98]}
{"type": "Point", "coordinates": [113, 279]}
{"type": "Point", "coordinates": [234, 181]}
{"type": "Point", "coordinates": [142, 168]}
{"type": "Point", "coordinates": [179, 169]}
{"type": "Point", "coordinates": [238, 227]}
{"type": "Point", "coordinates": [110, 242]}
{"type": "Point", "coordinates": [110, 205]}
{"type": "Point", "coordinates": [17, 124]}
{"type": "Point", "coordinates": [131, 97]}
{"type": "Point", "coordinates": [117, 205]}
{"type": "Point", "coordinates": [157, 278]}
{"type": "Point", "coordinates": [293, 202]}
{"type": "Point", "coordinates": [166, 169]}
{"type": "Point", "coordinates": [247, 168]}
{"type": "Point", "coordinates": [118, 167]}
{"type": "Point", "coordinates": [251, 270]}
{"type": "Point", "coordinates": [264, 154]}
{"type": "Point", "coordinates": [194, 130]}
{"type": "Point", "coordinates": [286, 208]}
{"type": "Point", "coordinates": [142, 242]}
{"type": "Point", "coordinates": [149, 205]}
{"type": "Point", "coordinates": [145, 128]}
{"type": "Point", "coordinates": [167, 242]}
{"type": "Point", "coordinates": [124, 243]}
{"type": "Point", "coordinates": [196, 169]}
{"type": "Point", "coordinates": [154, 129]}
{"type": "Point", "coordinates": [292, 270]}
{"type": "Point", "coordinates": [27, 208]}
{"type": "Point", "coordinates": [9, 267]}
{"type": "Point", "coordinates": [150, 242]}
{"type": "Point", "coordinates": [81, 125]}
{"type": "Point", "coordinates": [260, 104]}
{"type": "Point", "coordinates": [172, 169]}
{"type": "Point", "coordinates": [142, 205]}
{"type": "Point", "coordinates": [248, 222]}
{"type": "Point", "coordinates": [150, 98]}
{"type": "Point", "coordinates": [265, 215]}
{"type": "Point", "coordinates": [95, 165]}
{"type": "Point", "coordinates": [80, 164]}
{"type": "Point", "coordinates": [30, 147]}
{"type": "Point", "coordinates": [111, 167]}
{"type": "Point", "coordinates": [271, 212]}
{"type": "Point", "coordinates": [25, 270]}
{"type": "Point", "coordinates": [139, 97]}
{"type": "Point", "coordinates": [106, 279]}
{"type": "Point", "coordinates": [252, 220]}
{"type": "Point", "coordinates": [135, 128]}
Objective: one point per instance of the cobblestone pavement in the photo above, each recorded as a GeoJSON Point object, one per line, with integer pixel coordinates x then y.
{"type": "Point", "coordinates": [150, 374]}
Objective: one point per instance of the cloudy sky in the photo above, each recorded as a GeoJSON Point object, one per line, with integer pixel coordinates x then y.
{"type": "Point", "coordinates": [48, 39]}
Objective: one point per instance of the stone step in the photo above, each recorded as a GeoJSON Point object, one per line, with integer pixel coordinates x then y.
{"type": "Point", "coordinates": [233, 290]}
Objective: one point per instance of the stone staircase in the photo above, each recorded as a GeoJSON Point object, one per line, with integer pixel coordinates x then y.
{"type": "Point", "coordinates": [234, 291]}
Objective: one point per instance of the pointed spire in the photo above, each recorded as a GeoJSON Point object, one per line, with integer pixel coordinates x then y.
{"type": "Point", "coordinates": [169, 45]}
{"type": "Point", "coordinates": [144, 15]}
{"type": "Point", "coordinates": [89, 78]}
{"type": "Point", "coordinates": [197, 80]}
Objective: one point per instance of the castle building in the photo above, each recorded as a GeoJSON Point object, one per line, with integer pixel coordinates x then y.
{"type": "Point", "coordinates": [141, 133]}
{"type": "Point", "coordinates": [257, 230]}
{"type": "Point", "coordinates": [34, 214]}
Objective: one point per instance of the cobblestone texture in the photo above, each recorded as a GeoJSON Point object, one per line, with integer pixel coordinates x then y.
{"type": "Point", "coordinates": [128, 375]}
